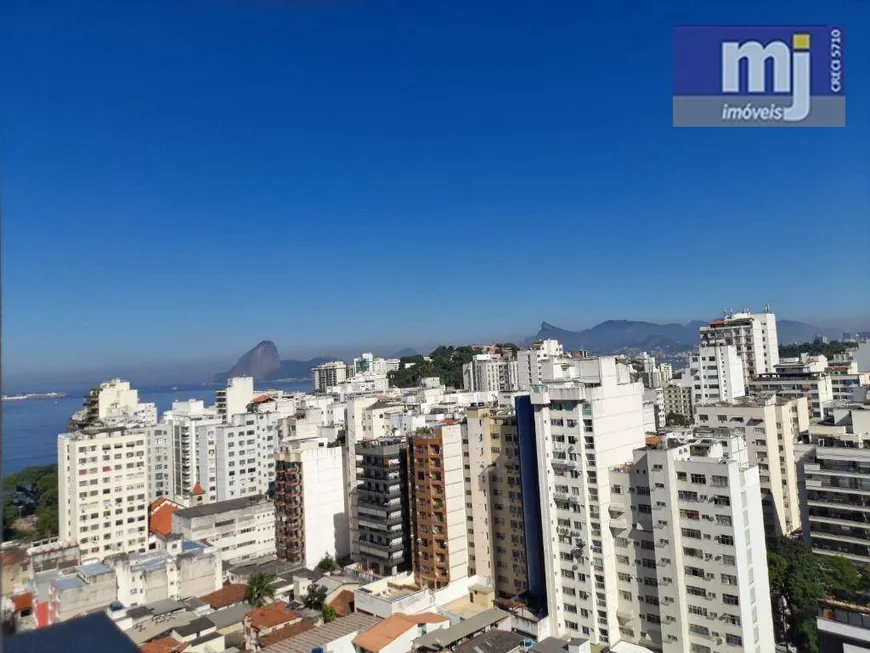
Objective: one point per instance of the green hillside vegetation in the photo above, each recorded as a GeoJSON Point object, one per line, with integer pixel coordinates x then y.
{"type": "Point", "coordinates": [815, 349]}
{"type": "Point", "coordinates": [31, 492]}
{"type": "Point", "coordinates": [446, 363]}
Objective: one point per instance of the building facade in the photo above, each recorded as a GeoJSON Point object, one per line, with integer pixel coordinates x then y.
{"type": "Point", "coordinates": [717, 374]}
{"type": "Point", "coordinates": [328, 375]}
{"type": "Point", "coordinates": [234, 399]}
{"type": "Point", "coordinates": [772, 425]}
{"type": "Point", "coordinates": [485, 374]}
{"type": "Point", "coordinates": [752, 334]}
{"type": "Point", "coordinates": [529, 361]}
{"type": "Point", "coordinates": [103, 490]}
{"type": "Point", "coordinates": [436, 487]}
{"type": "Point", "coordinates": [310, 503]}
{"type": "Point", "coordinates": [237, 459]}
{"type": "Point", "coordinates": [240, 529]}
{"type": "Point", "coordinates": [383, 505]}
{"type": "Point", "coordinates": [799, 378]}
{"type": "Point", "coordinates": [494, 499]}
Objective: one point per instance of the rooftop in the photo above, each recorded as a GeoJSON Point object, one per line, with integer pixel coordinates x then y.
{"type": "Point", "coordinates": [221, 506]}
{"type": "Point", "coordinates": [194, 627]}
{"type": "Point", "coordinates": [319, 637]}
{"type": "Point", "coordinates": [271, 615]}
{"type": "Point", "coordinates": [225, 617]}
{"type": "Point", "coordinates": [160, 519]}
{"type": "Point", "coordinates": [226, 595]}
{"type": "Point", "coordinates": [446, 637]}
{"type": "Point", "coordinates": [394, 626]}
{"type": "Point", "coordinates": [286, 632]}
{"type": "Point", "coordinates": [163, 645]}
{"type": "Point", "coordinates": [494, 641]}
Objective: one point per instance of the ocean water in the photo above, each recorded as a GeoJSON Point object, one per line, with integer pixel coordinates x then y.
{"type": "Point", "coordinates": [30, 428]}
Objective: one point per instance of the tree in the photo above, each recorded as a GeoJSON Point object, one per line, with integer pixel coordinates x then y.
{"type": "Point", "coordinates": [327, 563]}
{"type": "Point", "coordinates": [676, 419]}
{"type": "Point", "coordinates": [315, 596]}
{"type": "Point", "coordinates": [328, 613]}
{"type": "Point", "coordinates": [259, 589]}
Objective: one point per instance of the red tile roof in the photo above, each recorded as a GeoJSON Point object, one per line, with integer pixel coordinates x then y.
{"type": "Point", "coordinates": [160, 521]}
{"type": "Point", "coordinates": [387, 631]}
{"type": "Point", "coordinates": [342, 603]}
{"type": "Point", "coordinates": [23, 602]}
{"type": "Point", "coordinates": [14, 556]}
{"type": "Point", "coordinates": [226, 595]}
{"type": "Point", "coordinates": [163, 645]}
{"type": "Point", "coordinates": [271, 615]}
{"type": "Point", "coordinates": [197, 489]}
{"type": "Point", "coordinates": [286, 632]}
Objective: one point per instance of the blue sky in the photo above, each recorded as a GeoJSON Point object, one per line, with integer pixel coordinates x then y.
{"type": "Point", "coordinates": [184, 179]}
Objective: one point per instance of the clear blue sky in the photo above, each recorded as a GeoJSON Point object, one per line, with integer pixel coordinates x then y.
{"type": "Point", "coordinates": [184, 179]}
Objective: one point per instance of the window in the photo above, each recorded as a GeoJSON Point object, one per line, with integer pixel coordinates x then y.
{"type": "Point", "coordinates": [695, 571]}
{"type": "Point", "coordinates": [734, 640]}
{"type": "Point", "coordinates": [625, 578]}
{"type": "Point", "coordinates": [695, 591]}
{"type": "Point", "coordinates": [681, 476]}
{"type": "Point", "coordinates": [729, 579]}
{"type": "Point", "coordinates": [729, 560]}
{"type": "Point", "coordinates": [699, 630]}
{"type": "Point", "coordinates": [691, 532]}
{"type": "Point", "coordinates": [690, 514]}
{"type": "Point", "coordinates": [698, 479]}
{"type": "Point", "coordinates": [698, 610]}
{"type": "Point", "coordinates": [732, 619]}
{"type": "Point", "coordinates": [727, 540]}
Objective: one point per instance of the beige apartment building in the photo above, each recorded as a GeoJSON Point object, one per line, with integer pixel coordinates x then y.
{"type": "Point", "coordinates": [439, 543]}
{"type": "Point", "coordinates": [771, 425]}
{"type": "Point", "coordinates": [493, 499]}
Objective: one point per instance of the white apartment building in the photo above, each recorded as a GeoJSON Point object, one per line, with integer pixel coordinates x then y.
{"type": "Point", "coordinates": [188, 421]}
{"type": "Point", "coordinates": [772, 425]}
{"type": "Point", "coordinates": [114, 402]}
{"type": "Point", "coordinates": [483, 374]}
{"type": "Point", "coordinates": [235, 397]}
{"type": "Point", "coordinates": [160, 454]}
{"type": "Point", "coordinates": [753, 334]}
{"type": "Point", "coordinates": [184, 569]}
{"type": "Point", "coordinates": [588, 417]}
{"type": "Point", "coordinates": [356, 431]}
{"type": "Point", "coordinates": [529, 361]}
{"type": "Point", "coordinates": [240, 529]}
{"type": "Point", "coordinates": [666, 371]}
{"type": "Point", "coordinates": [803, 377]}
{"type": "Point", "coordinates": [103, 490]}
{"type": "Point", "coordinates": [238, 458]}
{"type": "Point", "coordinates": [691, 563]}
{"type": "Point", "coordinates": [716, 373]}
{"type": "Point", "coordinates": [311, 504]}
{"type": "Point", "coordinates": [327, 375]}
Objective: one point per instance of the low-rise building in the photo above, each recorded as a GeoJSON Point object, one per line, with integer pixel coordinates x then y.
{"type": "Point", "coordinates": [81, 590]}
{"type": "Point", "coordinates": [396, 634]}
{"type": "Point", "coordinates": [335, 637]}
{"type": "Point", "coordinates": [261, 622]}
{"type": "Point", "coordinates": [241, 529]}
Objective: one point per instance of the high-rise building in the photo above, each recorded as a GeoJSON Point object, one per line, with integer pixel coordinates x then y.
{"type": "Point", "coordinates": [310, 503]}
{"type": "Point", "coordinates": [771, 426]}
{"type": "Point", "coordinates": [803, 377]}
{"type": "Point", "coordinates": [691, 563]}
{"type": "Point", "coordinates": [666, 371]}
{"type": "Point", "coordinates": [588, 416]}
{"type": "Point", "coordinates": [717, 374]}
{"type": "Point", "coordinates": [835, 499]}
{"type": "Point", "coordinates": [438, 517]}
{"type": "Point", "coordinates": [103, 490]}
{"type": "Point", "coordinates": [113, 402]}
{"type": "Point", "coordinates": [753, 334]}
{"type": "Point", "coordinates": [486, 374]}
{"type": "Point", "coordinates": [529, 361]}
{"type": "Point", "coordinates": [383, 519]}
{"type": "Point", "coordinates": [188, 422]}
{"type": "Point", "coordinates": [328, 375]}
{"type": "Point", "coordinates": [494, 499]}
{"type": "Point", "coordinates": [234, 399]}
{"type": "Point", "coordinates": [677, 400]}
{"type": "Point", "coordinates": [238, 458]}
{"type": "Point", "coordinates": [160, 461]}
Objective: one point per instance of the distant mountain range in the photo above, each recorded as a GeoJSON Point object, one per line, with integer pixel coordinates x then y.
{"type": "Point", "coordinates": [264, 364]}
{"type": "Point", "coordinates": [615, 335]}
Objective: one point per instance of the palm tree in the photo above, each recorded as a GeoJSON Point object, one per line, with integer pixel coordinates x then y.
{"type": "Point", "coordinates": [259, 589]}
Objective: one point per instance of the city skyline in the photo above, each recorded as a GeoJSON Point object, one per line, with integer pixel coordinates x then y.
{"type": "Point", "coordinates": [207, 176]}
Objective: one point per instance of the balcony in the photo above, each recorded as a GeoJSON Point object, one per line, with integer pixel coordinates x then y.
{"type": "Point", "coordinates": [619, 523]}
